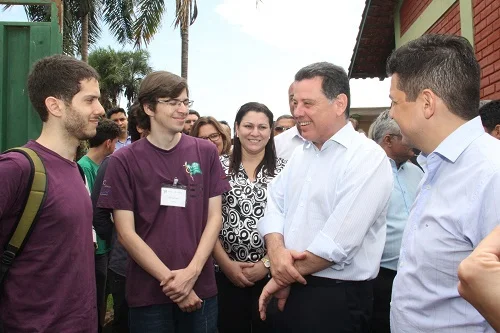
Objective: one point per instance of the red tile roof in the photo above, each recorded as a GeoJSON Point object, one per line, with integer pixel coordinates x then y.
{"type": "Point", "coordinates": [375, 40]}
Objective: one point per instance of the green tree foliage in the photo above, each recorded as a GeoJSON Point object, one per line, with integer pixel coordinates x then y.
{"type": "Point", "coordinates": [121, 73]}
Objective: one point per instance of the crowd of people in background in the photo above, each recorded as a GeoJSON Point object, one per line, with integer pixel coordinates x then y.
{"type": "Point", "coordinates": [303, 223]}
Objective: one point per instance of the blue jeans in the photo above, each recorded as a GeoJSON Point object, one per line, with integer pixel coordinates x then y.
{"type": "Point", "coordinates": [168, 318]}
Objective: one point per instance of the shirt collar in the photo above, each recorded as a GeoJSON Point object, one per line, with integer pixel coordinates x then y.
{"type": "Point", "coordinates": [455, 144]}
{"type": "Point", "coordinates": [294, 132]}
{"type": "Point", "coordinates": [394, 166]}
{"type": "Point", "coordinates": [128, 140]}
{"type": "Point", "coordinates": [344, 135]}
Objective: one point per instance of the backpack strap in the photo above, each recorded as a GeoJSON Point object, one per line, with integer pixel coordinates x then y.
{"type": "Point", "coordinates": [37, 185]}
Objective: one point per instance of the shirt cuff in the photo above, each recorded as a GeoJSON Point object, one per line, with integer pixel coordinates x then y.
{"type": "Point", "coordinates": [271, 223]}
{"type": "Point", "coordinates": [324, 247]}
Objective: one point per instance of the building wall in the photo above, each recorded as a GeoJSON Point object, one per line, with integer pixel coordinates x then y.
{"type": "Point", "coordinates": [449, 23]}
{"type": "Point", "coordinates": [478, 20]}
{"type": "Point", "coordinates": [409, 12]}
{"type": "Point", "coordinates": [487, 41]}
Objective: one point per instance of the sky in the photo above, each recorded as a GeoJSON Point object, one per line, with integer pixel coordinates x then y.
{"type": "Point", "coordinates": [240, 52]}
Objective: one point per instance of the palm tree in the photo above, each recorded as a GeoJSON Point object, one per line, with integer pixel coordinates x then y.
{"type": "Point", "coordinates": [120, 73]}
{"type": "Point", "coordinates": [186, 14]}
{"type": "Point", "coordinates": [136, 67]}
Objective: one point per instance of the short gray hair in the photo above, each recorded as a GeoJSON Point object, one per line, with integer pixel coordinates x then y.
{"type": "Point", "coordinates": [384, 125]}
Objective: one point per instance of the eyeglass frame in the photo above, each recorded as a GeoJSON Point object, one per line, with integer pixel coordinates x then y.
{"type": "Point", "coordinates": [211, 137]}
{"type": "Point", "coordinates": [187, 102]}
{"type": "Point", "coordinates": [282, 128]}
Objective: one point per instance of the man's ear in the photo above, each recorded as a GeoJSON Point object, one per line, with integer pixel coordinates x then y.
{"type": "Point", "coordinates": [54, 106]}
{"type": "Point", "coordinates": [429, 100]}
{"type": "Point", "coordinates": [148, 109]}
{"type": "Point", "coordinates": [387, 140]}
{"type": "Point", "coordinates": [341, 102]}
{"type": "Point", "coordinates": [108, 143]}
{"type": "Point", "coordinates": [496, 132]}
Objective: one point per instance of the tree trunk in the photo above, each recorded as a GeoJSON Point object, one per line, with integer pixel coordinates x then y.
{"type": "Point", "coordinates": [85, 38]}
{"type": "Point", "coordinates": [184, 50]}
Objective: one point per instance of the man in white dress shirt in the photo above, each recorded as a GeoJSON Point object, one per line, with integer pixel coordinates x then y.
{"type": "Point", "coordinates": [435, 97]}
{"type": "Point", "coordinates": [324, 224]}
{"type": "Point", "coordinates": [286, 142]}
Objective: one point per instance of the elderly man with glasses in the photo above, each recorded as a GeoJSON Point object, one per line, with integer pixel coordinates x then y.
{"type": "Point", "coordinates": [407, 176]}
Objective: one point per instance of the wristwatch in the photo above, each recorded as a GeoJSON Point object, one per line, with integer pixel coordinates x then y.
{"type": "Point", "coordinates": [266, 262]}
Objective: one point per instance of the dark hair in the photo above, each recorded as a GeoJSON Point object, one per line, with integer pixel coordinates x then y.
{"type": "Point", "coordinates": [194, 112]}
{"type": "Point", "coordinates": [223, 122]}
{"type": "Point", "coordinates": [159, 84]}
{"type": "Point", "coordinates": [112, 111]}
{"type": "Point", "coordinates": [58, 76]}
{"type": "Point", "coordinates": [335, 80]}
{"type": "Point", "coordinates": [133, 123]}
{"type": "Point", "coordinates": [445, 64]}
{"type": "Point", "coordinates": [490, 114]}
{"type": "Point", "coordinates": [106, 129]}
{"type": "Point", "coordinates": [355, 123]}
{"type": "Point", "coordinates": [202, 121]}
{"type": "Point", "coordinates": [285, 116]}
{"type": "Point", "coordinates": [268, 163]}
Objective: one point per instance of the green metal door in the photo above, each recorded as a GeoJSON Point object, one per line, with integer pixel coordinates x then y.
{"type": "Point", "coordinates": [22, 44]}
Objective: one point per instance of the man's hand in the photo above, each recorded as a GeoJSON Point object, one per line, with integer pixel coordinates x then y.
{"type": "Point", "coordinates": [180, 284]}
{"type": "Point", "coordinates": [190, 303]}
{"type": "Point", "coordinates": [256, 273]}
{"type": "Point", "coordinates": [479, 276]}
{"type": "Point", "coordinates": [282, 269]}
{"type": "Point", "coordinates": [272, 289]}
{"type": "Point", "coordinates": [234, 272]}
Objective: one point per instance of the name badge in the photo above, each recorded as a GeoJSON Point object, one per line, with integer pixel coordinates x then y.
{"type": "Point", "coordinates": [173, 195]}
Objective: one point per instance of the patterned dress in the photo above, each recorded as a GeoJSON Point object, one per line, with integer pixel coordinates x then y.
{"type": "Point", "coordinates": [242, 208]}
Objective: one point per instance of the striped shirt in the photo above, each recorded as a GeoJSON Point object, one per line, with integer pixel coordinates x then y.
{"type": "Point", "coordinates": [456, 207]}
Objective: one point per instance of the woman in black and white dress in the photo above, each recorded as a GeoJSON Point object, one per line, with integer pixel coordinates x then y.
{"type": "Point", "coordinates": [240, 252]}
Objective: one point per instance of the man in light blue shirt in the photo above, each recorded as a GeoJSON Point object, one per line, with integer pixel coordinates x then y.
{"type": "Point", "coordinates": [435, 97]}
{"type": "Point", "coordinates": [119, 116]}
{"type": "Point", "coordinates": [407, 176]}
{"type": "Point", "coordinates": [324, 224]}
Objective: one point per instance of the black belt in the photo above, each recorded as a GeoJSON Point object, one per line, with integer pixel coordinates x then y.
{"type": "Point", "coordinates": [316, 281]}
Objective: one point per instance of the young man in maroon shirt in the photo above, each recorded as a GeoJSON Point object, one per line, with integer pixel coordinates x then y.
{"type": "Point", "coordinates": [50, 286]}
{"type": "Point", "coordinates": [165, 192]}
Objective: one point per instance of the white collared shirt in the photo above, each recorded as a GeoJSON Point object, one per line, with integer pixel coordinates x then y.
{"type": "Point", "coordinates": [333, 202]}
{"type": "Point", "coordinates": [287, 141]}
{"type": "Point", "coordinates": [456, 207]}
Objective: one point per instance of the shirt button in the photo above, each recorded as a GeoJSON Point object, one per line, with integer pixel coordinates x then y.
{"type": "Point", "coordinates": [427, 187]}
{"type": "Point", "coordinates": [301, 205]}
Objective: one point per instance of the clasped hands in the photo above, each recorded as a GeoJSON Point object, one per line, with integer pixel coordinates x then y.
{"type": "Point", "coordinates": [179, 287]}
{"type": "Point", "coordinates": [284, 273]}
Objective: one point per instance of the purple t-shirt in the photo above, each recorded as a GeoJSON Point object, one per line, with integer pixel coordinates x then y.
{"type": "Point", "coordinates": [133, 182]}
{"type": "Point", "coordinates": [51, 285]}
